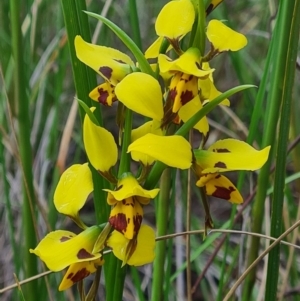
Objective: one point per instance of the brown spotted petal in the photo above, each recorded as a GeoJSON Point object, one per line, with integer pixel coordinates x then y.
{"type": "Point", "coordinates": [104, 94]}
{"type": "Point", "coordinates": [110, 63]}
{"type": "Point", "coordinates": [230, 154]}
{"type": "Point", "coordinates": [220, 187]}
{"type": "Point", "coordinates": [78, 271]}
{"type": "Point", "coordinates": [126, 217]}
{"type": "Point", "coordinates": [183, 88]}
{"type": "Point", "coordinates": [60, 249]}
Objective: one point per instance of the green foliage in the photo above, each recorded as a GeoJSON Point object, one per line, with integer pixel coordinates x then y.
{"type": "Point", "coordinates": [40, 137]}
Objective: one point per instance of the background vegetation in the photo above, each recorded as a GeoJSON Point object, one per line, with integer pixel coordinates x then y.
{"type": "Point", "coordinates": [40, 133]}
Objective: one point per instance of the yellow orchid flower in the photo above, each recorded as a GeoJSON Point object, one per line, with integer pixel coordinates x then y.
{"type": "Point", "coordinates": [135, 252]}
{"type": "Point", "coordinates": [110, 63]}
{"type": "Point", "coordinates": [174, 151]}
{"type": "Point", "coordinates": [141, 93]}
{"type": "Point", "coordinates": [180, 10]}
{"type": "Point", "coordinates": [60, 249]}
{"type": "Point", "coordinates": [189, 109]}
{"type": "Point", "coordinates": [127, 213]}
{"type": "Point", "coordinates": [152, 127]}
{"type": "Point", "coordinates": [226, 155]}
{"type": "Point", "coordinates": [186, 69]}
{"type": "Point", "coordinates": [100, 147]}
{"type": "Point", "coordinates": [72, 191]}
{"type": "Point", "coordinates": [224, 38]}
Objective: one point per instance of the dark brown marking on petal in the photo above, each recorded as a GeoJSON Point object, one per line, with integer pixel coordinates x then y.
{"type": "Point", "coordinates": [173, 93]}
{"type": "Point", "coordinates": [220, 164]}
{"type": "Point", "coordinates": [83, 253]}
{"type": "Point", "coordinates": [120, 61]}
{"type": "Point", "coordinates": [186, 96]}
{"type": "Point", "coordinates": [223, 193]}
{"type": "Point", "coordinates": [137, 221]}
{"type": "Point", "coordinates": [81, 274]}
{"type": "Point", "coordinates": [106, 71]}
{"type": "Point", "coordinates": [65, 238]}
{"type": "Point", "coordinates": [221, 150]}
{"type": "Point", "coordinates": [119, 187]}
{"type": "Point", "coordinates": [190, 77]}
{"type": "Point", "coordinates": [217, 176]}
{"type": "Point", "coordinates": [119, 222]}
{"type": "Point", "coordinates": [103, 95]}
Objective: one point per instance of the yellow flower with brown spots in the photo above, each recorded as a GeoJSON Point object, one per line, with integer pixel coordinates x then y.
{"type": "Point", "coordinates": [226, 155]}
{"type": "Point", "coordinates": [60, 249]}
{"type": "Point", "coordinates": [127, 200]}
{"type": "Point", "coordinates": [109, 63]}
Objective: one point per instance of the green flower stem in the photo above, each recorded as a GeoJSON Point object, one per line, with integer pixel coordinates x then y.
{"type": "Point", "coordinates": [278, 77]}
{"type": "Point", "coordinates": [137, 283]}
{"type": "Point", "coordinates": [115, 275]}
{"type": "Point", "coordinates": [290, 36]}
{"type": "Point", "coordinates": [85, 80]}
{"type": "Point", "coordinates": [76, 22]}
{"type": "Point", "coordinates": [24, 125]}
{"type": "Point", "coordinates": [125, 157]}
{"type": "Point", "coordinates": [162, 213]}
{"type": "Point", "coordinates": [135, 24]}
{"type": "Point", "coordinates": [200, 36]}
{"type": "Point", "coordinates": [158, 167]}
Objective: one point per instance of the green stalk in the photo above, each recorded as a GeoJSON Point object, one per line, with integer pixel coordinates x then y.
{"type": "Point", "coordinates": [162, 213]}
{"type": "Point", "coordinates": [21, 100]}
{"type": "Point", "coordinates": [135, 24]}
{"type": "Point", "coordinates": [279, 53]}
{"type": "Point", "coordinates": [290, 36]}
{"type": "Point", "coordinates": [117, 273]}
{"type": "Point", "coordinates": [85, 80]}
{"type": "Point", "coordinates": [76, 22]}
{"type": "Point", "coordinates": [200, 36]}
{"type": "Point", "coordinates": [137, 283]}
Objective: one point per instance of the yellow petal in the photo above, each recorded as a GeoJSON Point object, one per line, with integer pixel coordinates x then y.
{"type": "Point", "coordinates": [128, 186]}
{"type": "Point", "coordinates": [209, 92]}
{"type": "Point", "coordinates": [72, 190]}
{"type": "Point", "coordinates": [153, 50]}
{"type": "Point", "coordinates": [110, 63]}
{"type": "Point", "coordinates": [104, 94]}
{"type": "Point", "coordinates": [173, 151]}
{"type": "Point", "coordinates": [224, 38]}
{"type": "Point", "coordinates": [220, 187]}
{"type": "Point", "coordinates": [153, 127]}
{"type": "Point", "coordinates": [231, 154]}
{"type": "Point", "coordinates": [175, 19]}
{"type": "Point", "coordinates": [144, 252]}
{"type": "Point", "coordinates": [59, 249]}
{"type": "Point", "coordinates": [78, 271]}
{"type": "Point", "coordinates": [141, 93]}
{"type": "Point", "coordinates": [188, 63]}
{"type": "Point", "coordinates": [189, 109]}
{"type": "Point", "coordinates": [126, 217]}
{"type": "Point", "coordinates": [100, 145]}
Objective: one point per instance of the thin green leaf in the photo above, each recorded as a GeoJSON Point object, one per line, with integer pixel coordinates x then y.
{"type": "Point", "coordinates": [88, 111]}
